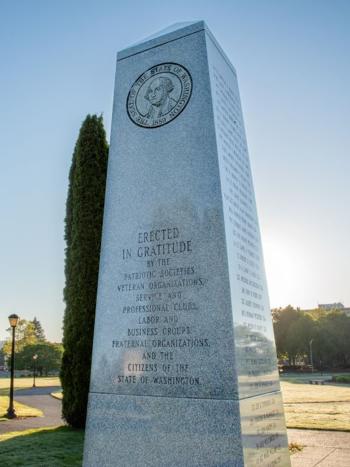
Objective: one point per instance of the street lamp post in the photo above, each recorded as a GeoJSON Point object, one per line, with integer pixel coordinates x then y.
{"type": "Point", "coordinates": [311, 360]}
{"type": "Point", "coordinates": [11, 413]}
{"type": "Point", "coordinates": [34, 372]}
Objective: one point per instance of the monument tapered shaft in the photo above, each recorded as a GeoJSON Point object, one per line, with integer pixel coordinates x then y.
{"type": "Point", "coordinates": [184, 365]}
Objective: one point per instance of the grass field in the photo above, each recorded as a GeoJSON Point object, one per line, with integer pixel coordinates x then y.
{"type": "Point", "coordinates": [322, 407]}
{"type": "Point", "coordinates": [54, 447]}
{"type": "Point", "coordinates": [21, 410]}
{"type": "Point", "coordinates": [22, 383]}
{"type": "Point", "coordinates": [342, 379]}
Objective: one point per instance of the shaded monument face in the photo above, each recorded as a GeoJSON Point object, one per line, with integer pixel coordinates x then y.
{"type": "Point", "coordinates": [184, 369]}
{"type": "Point", "coordinates": [159, 95]}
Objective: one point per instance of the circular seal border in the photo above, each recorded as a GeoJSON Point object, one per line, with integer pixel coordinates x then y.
{"type": "Point", "coordinates": [183, 108]}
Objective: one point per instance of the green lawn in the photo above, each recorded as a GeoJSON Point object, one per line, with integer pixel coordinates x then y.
{"type": "Point", "coordinates": [22, 383]}
{"type": "Point", "coordinates": [322, 407]}
{"type": "Point", "coordinates": [342, 379]}
{"type": "Point", "coordinates": [21, 410]}
{"type": "Point", "coordinates": [42, 447]}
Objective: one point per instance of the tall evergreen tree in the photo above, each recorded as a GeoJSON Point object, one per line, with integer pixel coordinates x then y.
{"type": "Point", "coordinates": [38, 329]}
{"type": "Point", "coordinates": [83, 226]}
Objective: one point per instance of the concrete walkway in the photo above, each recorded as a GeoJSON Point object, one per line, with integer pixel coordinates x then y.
{"type": "Point", "coordinates": [40, 399]}
{"type": "Point", "coordinates": [321, 448]}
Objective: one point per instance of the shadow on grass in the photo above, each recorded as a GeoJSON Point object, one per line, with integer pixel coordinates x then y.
{"type": "Point", "coordinates": [54, 447]}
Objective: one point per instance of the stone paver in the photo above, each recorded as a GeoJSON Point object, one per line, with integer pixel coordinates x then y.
{"type": "Point", "coordinates": [39, 398]}
{"type": "Point", "coordinates": [321, 448]}
{"type": "Point", "coordinates": [339, 458]}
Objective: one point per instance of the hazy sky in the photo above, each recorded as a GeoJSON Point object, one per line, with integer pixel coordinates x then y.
{"type": "Point", "coordinates": [292, 57]}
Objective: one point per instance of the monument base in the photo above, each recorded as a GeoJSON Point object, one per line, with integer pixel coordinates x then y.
{"type": "Point", "coordinates": [146, 431]}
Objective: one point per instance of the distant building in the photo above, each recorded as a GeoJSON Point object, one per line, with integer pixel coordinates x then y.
{"type": "Point", "coordinates": [332, 307]}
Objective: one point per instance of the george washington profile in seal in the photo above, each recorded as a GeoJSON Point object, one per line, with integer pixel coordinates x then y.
{"type": "Point", "coordinates": [159, 95]}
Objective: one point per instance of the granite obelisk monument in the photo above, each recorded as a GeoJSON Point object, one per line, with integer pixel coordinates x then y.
{"type": "Point", "coordinates": [184, 368]}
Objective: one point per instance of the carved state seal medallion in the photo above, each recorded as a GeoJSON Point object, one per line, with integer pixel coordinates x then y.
{"type": "Point", "coordinates": [159, 95]}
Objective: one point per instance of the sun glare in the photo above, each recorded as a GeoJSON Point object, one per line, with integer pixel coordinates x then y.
{"type": "Point", "coordinates": [285, 270]}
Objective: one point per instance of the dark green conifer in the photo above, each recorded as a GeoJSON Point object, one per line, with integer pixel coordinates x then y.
{"type": "Point", "coordinates": [83, 226]}
{"type": "Point", "coordinates": [38, 329]}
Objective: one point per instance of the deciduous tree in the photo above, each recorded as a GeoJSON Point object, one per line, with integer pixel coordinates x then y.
{"type": "Point", "coordinates": [328, 330]}
{"type": "Point", "coordinates": [49, 356]}
{"type": "Point", "coordinates": [25, 335]}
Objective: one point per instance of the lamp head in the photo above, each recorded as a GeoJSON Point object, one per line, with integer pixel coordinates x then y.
{"type": "Point", "coordinates": [13, 320]}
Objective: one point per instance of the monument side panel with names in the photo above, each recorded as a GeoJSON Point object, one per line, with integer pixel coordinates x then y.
{"type": "Point", "coordinates": [255, 355]}
{"type": "Point", "coordinates": [169, 381]}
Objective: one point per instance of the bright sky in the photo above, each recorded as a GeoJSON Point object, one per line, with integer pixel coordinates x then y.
{"type": "Point", "coordinates": [292, 57]}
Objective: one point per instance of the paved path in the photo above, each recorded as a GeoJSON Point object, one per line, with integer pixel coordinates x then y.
{"type": "Point", "coordinates": [321, 448]}
{"type": "Point", "coordinates": [39, 398]}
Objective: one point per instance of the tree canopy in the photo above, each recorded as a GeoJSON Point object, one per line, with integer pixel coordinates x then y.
{"type": "Point", "coordinates": [30, 341]}
{"type": "Point", "coordinates": [25, 335]}
{"type": "Point", "coordinates": [329, 332]}
{"type": "Point", "coordinates": [49, 356]}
